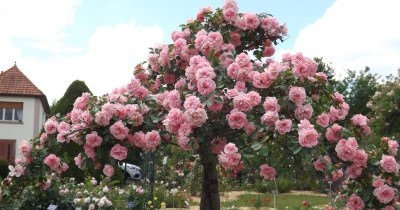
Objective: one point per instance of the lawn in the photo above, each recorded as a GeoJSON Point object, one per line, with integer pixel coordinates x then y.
{"type": "Point", "coordinates": [283, 201]}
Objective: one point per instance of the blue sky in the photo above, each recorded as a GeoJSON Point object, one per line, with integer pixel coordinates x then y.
{"type": "Point", "coordinates": [99, 42]}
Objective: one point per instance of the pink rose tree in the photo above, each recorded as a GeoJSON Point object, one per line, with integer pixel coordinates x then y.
{"type": "Point", "coordinates": [217, 92]}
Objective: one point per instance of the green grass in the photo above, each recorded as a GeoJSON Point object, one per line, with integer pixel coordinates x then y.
{"type": "Point", "coordinates": [283, 201]}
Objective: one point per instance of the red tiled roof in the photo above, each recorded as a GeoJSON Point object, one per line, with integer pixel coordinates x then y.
{"type": "Point", "coordinates": [14, 82]}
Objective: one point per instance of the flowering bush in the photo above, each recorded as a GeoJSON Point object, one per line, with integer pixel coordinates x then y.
{"type": "Point", "coordinates": [217, 92]}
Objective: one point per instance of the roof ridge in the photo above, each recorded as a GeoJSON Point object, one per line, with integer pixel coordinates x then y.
{"type": "Point", "coordinates": [14, 81]}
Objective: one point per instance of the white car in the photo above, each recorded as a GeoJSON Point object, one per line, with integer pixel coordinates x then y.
{"type": "Point", "coordinates": [134, 171]}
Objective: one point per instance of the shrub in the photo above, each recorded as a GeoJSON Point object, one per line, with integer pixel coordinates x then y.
{"type": "Point", "coordinates": [3, 168]}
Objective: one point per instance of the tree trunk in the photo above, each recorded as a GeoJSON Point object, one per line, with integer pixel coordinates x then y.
{"type": "Point", "coordinates": [209, 190]}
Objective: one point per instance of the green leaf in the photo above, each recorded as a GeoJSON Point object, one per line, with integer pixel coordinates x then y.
{"type": "Point", "coordinates": [297, 150]}
{"type": "Point", "coordinates": [256, 146]}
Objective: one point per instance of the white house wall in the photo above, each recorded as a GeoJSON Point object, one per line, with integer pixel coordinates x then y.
{"type": "Point", "coordinates": [32, 121]}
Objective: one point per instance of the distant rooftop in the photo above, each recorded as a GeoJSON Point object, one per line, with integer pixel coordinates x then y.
{"type": "Point", "coordinates": [14, 83]}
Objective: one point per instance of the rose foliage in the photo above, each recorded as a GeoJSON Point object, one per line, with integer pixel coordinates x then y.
{"type": "Point", "coordinates": [216, 91]}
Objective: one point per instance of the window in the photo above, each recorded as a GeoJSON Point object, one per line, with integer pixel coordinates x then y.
{"type": "Point", "coordinates": [11, 111]}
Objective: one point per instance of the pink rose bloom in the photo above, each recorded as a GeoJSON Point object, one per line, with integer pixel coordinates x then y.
{"type": "Point", "coordinates": [249, 128]}
{"type": "Point", "coordinates": [319, 165]}
{"type": "Point", "coordinates": [271, 104]}
{"type": "Point", "coordinates": [388, 208]}
{"type": "Point", "coordinates": [235, 38]}
{"type": "Point", "coordinates": [63, 127]}
{"type": "Point", "coordinates": [353, 171]}
{"type": "Point", "coordinates": [254, 97]}
{"type": "Point", "coordinates": [82, 101]}
{"type": "Point", "coordinates": [231, 93]}
{"type": "Point", "coordinates": [242, 102]}
{"type": "Point", "coordinates": [52, 161]}
{"type": "Point", "coordinates": [229, 10]}
{"type": "Point", "coordinates": [345, 151]}
{"type": "Point", "coordinates": [322, 162]}
{"type": "Point", "coordinates": [360, 158]}
{"type": "Point", "coordinates": [119, 131]}
{"type": "Point", "coordinates": [119, 111]}
{"type": "Point", "coordinates": [359, 120]}
{"type": "Point", "coordinates": [303, 112]}
{"type": "Point", "coordinates": [269, 118]}
{"type": "Point", "coordinates": [323, 120]}
{"type": "Point", "coordinates": [205, 86]}
{"type": "Point", "coordinates": [183, 143]}
{"type": "Point", "coordinates": [305, 124]}
{"type": "Point", "coordinates": [51, 126]}
{"type": "Point", "coordinates": [267, 172]}
{"type": "Point", "coordinates": [78, 160]}
{"type": "Point", "coordinates": [261, 80]}
{"type": "Point", "coordinates": [192, 102]}
{"type": "Point", "coordinates": [43, 138]}
{"type": "Point", "coordinates": [215, 40]}
{"type": "Point", "coordinates": [173, 99]}
{"type": "Point", "coordinates": [102, 118]}
{"type": "Point", "coordinates": [138, 139]}
{"type": "Point", "coordinates": [308, 138]}
{"type": "Point", "coordinates": [218, 145]}
{"type": "Point", "coordinates": [304, 67]}
{"type": "Point", "coordinates": [268, 52]}
{"type": "Point", "coordinates": [181, 83]}
{"type": "Point", "coordinates": [230, 148]}
{"type": "Point", "coordinates": [216, 106]}
{"type": "Point", "coordinates": [336, 175]}
{"type": "Point", "coordinates": [93, 140]}
{"type": "Point", "coordinates": [389, 164]}
{"type": "Point", "coordinates": [378, 182]}
{"type": "Point", "coordinates": [251, 21]}
{"type": "Point", "coordinates": [64, 167]}
{"type": "Point", "coordinates": [89, 151]}
{"type": "Point", "coordinates": [229, 160]}
{"type": "Point", "coordinates": [174, 119]}
{"type": "Point", "coordinates": [393, 146]}
{"type": "Point", "coordinates": [338, 97]}
{"type": "Point", "coordinates": [185, 129]}
{"type": "Point", "coordinates": [334, 133]}
{"type": "Point", "coordinates": [236, 119]}
{"type": "Point", "coordinates": [169, 78]}
{"type": "Point", "coordinates": [25, 148]}
{"type": "Point", "coordinates": [240, 86]}
{"type": "Point", "coordinates": [297, 95]}
{"type": "Point", "coordinates": [152, 139]}
{"type": "Point", "coordinates": [108, 170]}
{"type": "Point", "coordinates": [354, 202]}
{"type": "Point", "coordinates": [118, 152]}
{"type": "Point", "coordinates": [384, 194]}
{"type": "Point", "coordinates": [141, 93]}
{"type": "Point", "coordinates": [196, 117]}
{"type": "Point", "coordinates": [283, 126]}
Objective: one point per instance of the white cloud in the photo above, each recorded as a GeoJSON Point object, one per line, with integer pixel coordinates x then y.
{"type": "Point", "coordinates": [40, 21]}
{"type": "Point", "coordinates": [353, 34]}
{"type": "Point", "coordinates": [107, 63]}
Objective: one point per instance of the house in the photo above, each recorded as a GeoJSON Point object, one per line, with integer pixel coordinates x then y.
{"type": "Point", "coordinates": [23, 109]}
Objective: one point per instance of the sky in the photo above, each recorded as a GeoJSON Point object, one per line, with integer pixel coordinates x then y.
{"type": "Point", "coordinates": [55, 42]}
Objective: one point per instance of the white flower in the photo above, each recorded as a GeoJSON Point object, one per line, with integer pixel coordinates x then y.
{"type": "Point", "coordinates": [174, 191]}
{"type": "Point", "coordinates": [86, 200]}
{"type": "Point", "coordinates": [77, 200]}
{"type": "Point", "coordinates": [105, 189]}
{"type": "Point", "coordinates": [16, 171]}
{"type": "Point", "coordinates": [101, 203]}
{"type": "Point", "coordinates": [91, 206]}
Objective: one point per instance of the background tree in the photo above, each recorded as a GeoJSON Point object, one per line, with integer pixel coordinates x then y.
{"type": "Point", "coordinates": [65, 104]}
{"type": "Point", "coordinates": [385, 104]}
{"type": "Point", "coordinates": [358, 87]}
